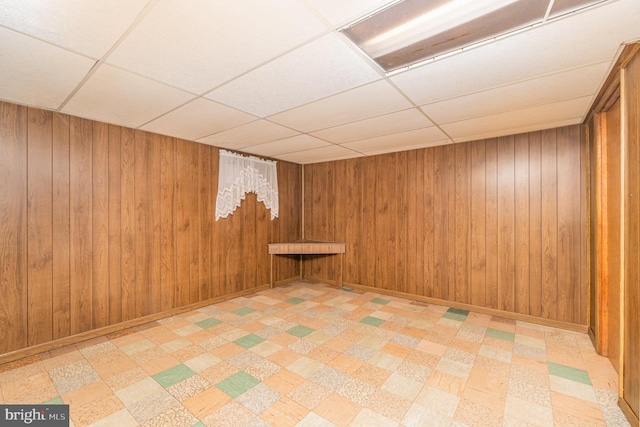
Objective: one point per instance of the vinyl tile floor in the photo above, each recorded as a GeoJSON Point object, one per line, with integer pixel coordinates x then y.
{"type": "Point", "coordinates": [308, 354]}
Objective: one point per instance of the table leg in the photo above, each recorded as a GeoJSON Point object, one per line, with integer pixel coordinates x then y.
{"type": "Point", "coordinates": [271, 273]}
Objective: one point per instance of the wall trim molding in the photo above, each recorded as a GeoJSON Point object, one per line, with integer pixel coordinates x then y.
{"type": "Point", "coordinates": [628, 412]}
{"type": "Point", "coordinates": [584, 329]}
{"type": "Point", "coordinates": [83, 336]}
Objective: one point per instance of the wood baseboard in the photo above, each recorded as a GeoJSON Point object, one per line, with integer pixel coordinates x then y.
{"type": "Point", "coordinates": [628, 412]}
{"type": "Point", "coordinates": [483, 310]}
{"type": "Point", "coordinates": [286, 281]}
{"type": "Point", "coordinates": [83, 336]}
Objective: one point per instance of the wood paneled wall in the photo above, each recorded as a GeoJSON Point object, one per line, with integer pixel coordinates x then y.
{"type": "Point", "coordinates": [498, 223]}
{"type": "Point", "coordinates": [631, 235]}
{"type": "Point", "coordinates": [100, 224]}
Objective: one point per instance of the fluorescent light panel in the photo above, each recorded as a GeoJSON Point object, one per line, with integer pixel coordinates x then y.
{"type": "Point", "coordinates": [411, 31]}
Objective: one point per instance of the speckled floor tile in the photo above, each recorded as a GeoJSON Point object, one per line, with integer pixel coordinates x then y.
{"type": "Point", "coordinates": [357, 390]}
{"type": "Point", "coordinates": [475, 414]}
{"type": "Point", "coordinates": [389, 405]}
{"type": "Point", "coordinates": [232, 414]}
{"type": "Point", "coordinates": [309, 394]}
{"type": "Point", "coordinates": [259, 398]}
{"type": "Point", "coordinates": [188, 388]}
{"type": "Point", "coordinates": [263, 369]}
{"type": "Point", "coordinates": [310, 355]}
{"type": "Point", "coordinates": [539, 395]}
{"type": "Point", "coordinates": [329, 378]}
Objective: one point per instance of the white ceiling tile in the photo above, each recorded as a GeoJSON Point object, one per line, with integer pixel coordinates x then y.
{"type": "Point", "coordinates": [199, 47]}
{"type": "Point", "coordinates": [521, 129]}
{"type": "Point", "coordinates": [404, 140]}
{"type": "Point", "coordinates": [287, 145]}
{"type": "Point", "coordinates": [329, 67]}
{"type": "Point", "coordinates": [115, 96]}
{"type": "Point", "coordinates": [511, 122]}
{"type": "Point", "coordinates": [340, 12]}
{"type": "Point", "coordinates": [361, 103]}
{"type": "Point", "coordinates": [587, 37]}
{"type": "Point", "coordinates": [323, 154]}
{"type": "Point", "coordinates": [254, 133]}
{"type": "Point", "coordinates": [382, 125]}
{"type": "Point", "coordinates": [568, 84]}
{"type": "Point", "coordinates": [36, 73]}
{"type": "Point", "coordinates": [197, 119]}
{"type": "Point", "coordinates": [88, 27]}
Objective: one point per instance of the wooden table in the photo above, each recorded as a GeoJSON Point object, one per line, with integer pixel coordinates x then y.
{"type": "Point", "coordinates": [308, 247]}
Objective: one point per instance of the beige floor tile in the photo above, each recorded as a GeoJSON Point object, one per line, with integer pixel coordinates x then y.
{"type": "Point", "coordinates": [346, 364]}
{"type": "Point", "coordinates": [305, 367]}
{"type": "Point", "coordinates": [121, 418]}
{"type": "Point", "coordinates": [94, 411]}
{"type": "Point", "coordinates": [402, 386]}
{"type": "Point", "coordinates": [32, 389]}
{"type": "Point", "coordinates": [202, 362]}
{"type": "Point", "coordinates": [447, 383]}
{"type": "Point", "coordinates": [490, 382]}
{"type": "Point", "coordinates": [218, 372]}
{"type": "Point", "coordinates": [206, 403]}
{"type": "Point", "coordinates": [285, 412]}
{"type": "Point", "coordinates": [527, 412]}
{"type": "Point", "coordinates": [87, 394]}
{"type": "Point", "coordinates": [284, 381]}
{"type": "Point", "coordinates": [438, 401]}
{"type": "Point", "coordinates": [385, 361]}
{"type": "Point", "coordinates": [138, 391]}
{"type": "Point", "coordinates": [419, 415]}
{"type": "Point", "coordinates": [338, 410]}
{"type": "Point", "coordinates": [573, 388]}
{"type": "Point", "coordinates": [367, 418]}
{"type": "Point", "coordinates": [576, 407]}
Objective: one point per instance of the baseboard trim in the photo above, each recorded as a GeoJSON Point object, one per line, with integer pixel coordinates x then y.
{"type": "Point", "coordinates": [477, 309]}
{"type": "Point", "coordinates": [628, 412]}
{"type": "Point", "coordinates": [286, 281]}
{"type": "Point", "coordinates": [83, 336]}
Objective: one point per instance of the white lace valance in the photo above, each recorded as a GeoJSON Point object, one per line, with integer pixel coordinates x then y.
{"type": "Point", "coordinates": [239, 175]}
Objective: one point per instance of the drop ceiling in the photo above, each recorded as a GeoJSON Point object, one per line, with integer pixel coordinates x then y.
{"type": "Point", "coordinates": [277, 78]}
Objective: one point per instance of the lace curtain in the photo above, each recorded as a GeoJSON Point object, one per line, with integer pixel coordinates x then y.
{"type": "Point", "coordinates": [239, 175]}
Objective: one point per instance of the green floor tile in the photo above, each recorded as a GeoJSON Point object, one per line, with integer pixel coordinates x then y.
{"type": "Point", "coordinates": [380, 301]}
{"type": "Point", "coordinates": [208, 323]}
{"type": "Point", "coordinates": [569, 373]}
{"type": "Point", "coordinates": [54, 401]}
{"type": "Point", "coordinates": [249, 341]}
{"type": "Point", "coordinates": [295, 300]}
{"type": "Point", "coordinates": [455, 316]}
{"type": "Point", "coordinates": [458, 311]}
{"type": "Point", "coordinates": [243, 311]}
{"type": "Point", "coordinates": [300, 331]}
{"type": "Point", "coordinates": [373, 321]}
{"type": "Point", "coordinates": [497, 333]}
{"type": "Point", "coordinates": [173, 375]}
{"type": "Point", "coordinates": [237, 384]}
{"type": "Point", "coordinates": [199, 424]}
